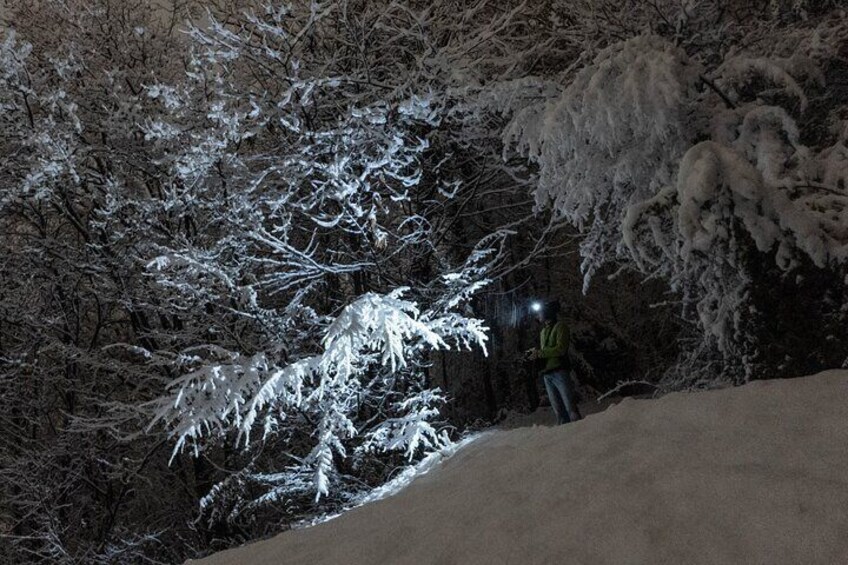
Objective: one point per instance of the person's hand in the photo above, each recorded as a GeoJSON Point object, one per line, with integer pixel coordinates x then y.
{"type": "Point", "coordinates": [532, 354]}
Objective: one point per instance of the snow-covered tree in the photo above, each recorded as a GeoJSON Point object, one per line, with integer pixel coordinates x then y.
{"type": "Point", "coordinates": [302, 183]}
{"type": "Point", "coordinates": [681, 158]}
{"type": "Point", "coordinates": [183, 246]}
{"type": "Point", "coordinates": [73, 487]}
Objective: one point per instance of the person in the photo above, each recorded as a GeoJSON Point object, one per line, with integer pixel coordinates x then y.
{"type": "Point", "coordinates": [553, 349]}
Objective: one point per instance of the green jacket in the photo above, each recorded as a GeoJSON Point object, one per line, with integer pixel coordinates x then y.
{"type": "Point", "coordinates": [554, 346]}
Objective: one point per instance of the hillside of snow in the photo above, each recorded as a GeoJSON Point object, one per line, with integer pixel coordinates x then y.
{"type": "Point", "coordinates": [755, 474]}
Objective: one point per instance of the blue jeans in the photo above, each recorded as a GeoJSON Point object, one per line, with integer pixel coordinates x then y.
{"type": "Point", "coordinates": [561, 394]}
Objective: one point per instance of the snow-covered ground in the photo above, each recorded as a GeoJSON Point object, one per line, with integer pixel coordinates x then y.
{"type": "Point", "coordinates": [755, 474]}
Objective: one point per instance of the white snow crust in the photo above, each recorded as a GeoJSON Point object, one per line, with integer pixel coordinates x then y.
{"type": "Point", "coordinates": [754, 474]}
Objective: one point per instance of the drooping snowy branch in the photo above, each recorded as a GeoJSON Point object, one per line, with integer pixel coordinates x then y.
{"type": "Point", "coordinates": [366, 349]}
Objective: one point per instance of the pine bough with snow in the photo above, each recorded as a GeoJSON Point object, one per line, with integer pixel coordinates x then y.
{"type": "Point", "coordinates": [370, 365]}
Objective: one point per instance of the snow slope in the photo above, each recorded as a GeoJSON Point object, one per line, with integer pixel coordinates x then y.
{"type": "Point", "coordinates": [756, 474]}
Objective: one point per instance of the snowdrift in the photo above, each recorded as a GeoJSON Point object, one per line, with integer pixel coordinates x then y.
{"type": "Point", "coordinates": [756, 474]}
